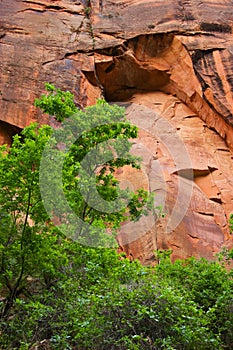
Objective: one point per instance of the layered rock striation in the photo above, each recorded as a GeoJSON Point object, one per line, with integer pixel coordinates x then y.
{"type": "Point", "coordinates": [170, 64]}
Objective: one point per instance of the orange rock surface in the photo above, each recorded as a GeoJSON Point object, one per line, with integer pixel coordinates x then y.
{"type": "Point", "coordinates": [170, 64]}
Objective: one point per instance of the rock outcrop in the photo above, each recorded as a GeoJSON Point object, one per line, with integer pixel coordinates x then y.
{"type": "Point", "coordinates": [170, 64]}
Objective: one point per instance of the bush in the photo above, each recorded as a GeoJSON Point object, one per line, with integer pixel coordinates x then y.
{"type": "Point", "coordinates": [103, 301]}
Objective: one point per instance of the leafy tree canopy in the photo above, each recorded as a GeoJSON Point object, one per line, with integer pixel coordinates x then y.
{"type": "Point", "coordinates": [27, 232]}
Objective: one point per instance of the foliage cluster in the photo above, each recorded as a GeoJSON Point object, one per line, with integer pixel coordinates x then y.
{"type": "Point", "coordinates": [100, 300]}
{"type": "Point", "coordinates": [54, 289]}
{"type": "Point", "coordinates": [231, 223]}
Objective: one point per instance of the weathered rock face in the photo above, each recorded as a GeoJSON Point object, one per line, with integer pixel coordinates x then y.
{"type": "Point", "coordinates": [189, 168]}
{"type": "Point", "coordinates": [170, 63]}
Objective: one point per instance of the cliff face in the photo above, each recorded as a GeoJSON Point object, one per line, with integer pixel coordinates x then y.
{"type": "Point", "coordinates": [170, 64]}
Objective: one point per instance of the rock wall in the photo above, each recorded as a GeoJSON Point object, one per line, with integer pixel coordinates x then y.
{"type": "Point", "coordinates": [170, 64]}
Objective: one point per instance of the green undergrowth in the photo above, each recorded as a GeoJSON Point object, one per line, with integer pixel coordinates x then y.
{"type": "Point", "coordinates": [101, 300]}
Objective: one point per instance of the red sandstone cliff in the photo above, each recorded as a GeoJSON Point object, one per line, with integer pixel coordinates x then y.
{"type": "Point", "coordinates": [170, 63]}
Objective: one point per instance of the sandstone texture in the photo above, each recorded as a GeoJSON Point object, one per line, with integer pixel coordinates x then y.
{"type": "Point", "coordinates": [170, 63]}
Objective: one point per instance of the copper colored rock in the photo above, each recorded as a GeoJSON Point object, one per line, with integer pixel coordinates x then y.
{"type": "Point", "coordinates": [170, 62]}
{"type": "Point", "coordinates": [190, 176]}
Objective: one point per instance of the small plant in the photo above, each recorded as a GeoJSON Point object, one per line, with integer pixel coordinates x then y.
{"type": "Point", "coordinates": [87, 10]}
{"type": "Point", "coordinates": [231, 223]}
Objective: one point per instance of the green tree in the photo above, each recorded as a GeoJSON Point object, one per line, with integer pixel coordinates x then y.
{"type": "Point", "coordinates": [23, 217]}
{"type": "Point", "coordinates": [99, 144]}
{"type": "Point", "coordinates": [31, 247]}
